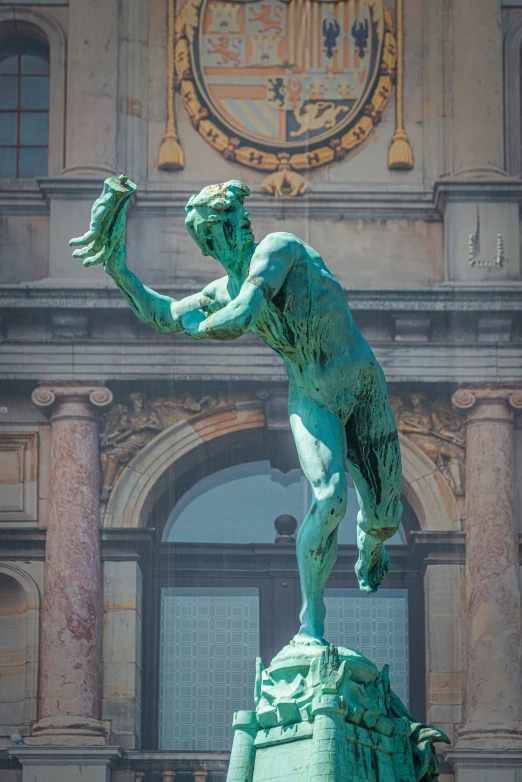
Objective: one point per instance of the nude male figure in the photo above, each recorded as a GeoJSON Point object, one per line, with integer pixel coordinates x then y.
{"type": "Point", "coordinates": [339, 412]}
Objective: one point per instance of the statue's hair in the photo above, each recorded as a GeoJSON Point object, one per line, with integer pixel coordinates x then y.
{"type": "Point", "coordinates": [207, 206]}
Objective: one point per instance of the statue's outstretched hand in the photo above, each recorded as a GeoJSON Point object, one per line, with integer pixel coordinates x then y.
{"type": "Point", "coordinates": [103, 242]}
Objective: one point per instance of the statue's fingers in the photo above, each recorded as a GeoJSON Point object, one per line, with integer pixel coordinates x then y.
{"type": "Point", "coordinates": [79, 240]}
{"type": "Point", "coordinates": [95, 259]}
{"type": "Point", "coordinates": [83, 252]}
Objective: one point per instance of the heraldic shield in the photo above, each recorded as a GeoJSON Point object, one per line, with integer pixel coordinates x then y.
{"type": "Point", "coordinates": [275, 84]}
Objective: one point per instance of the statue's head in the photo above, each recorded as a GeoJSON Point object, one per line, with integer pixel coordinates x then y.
{"type": "Point", "coordinates": [418, 400]}
{"type": "Point", "coordinates": [137, 400]}
{"type": "Point", "coordinates": [218, 221]}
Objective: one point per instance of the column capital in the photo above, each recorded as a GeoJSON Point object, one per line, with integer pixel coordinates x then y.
{"type": "Point", "coordinates": [503, 398]}
{"type": "Point", "coordinates": [47, 394]}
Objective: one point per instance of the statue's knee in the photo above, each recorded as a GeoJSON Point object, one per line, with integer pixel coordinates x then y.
{"type": "Point", "coordinates": [333, 506]}
{"type": "Point", "coordinates": [383, 523]}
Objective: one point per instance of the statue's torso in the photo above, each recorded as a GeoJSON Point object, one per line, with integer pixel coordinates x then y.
{"type": "Point", "coordinates": [309, 323]}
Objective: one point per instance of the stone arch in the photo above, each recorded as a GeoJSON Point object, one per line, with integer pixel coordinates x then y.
{"type": "Point", "coordinates": [512, 86]}
{"type": "Point", "coordinates": [427, 490]}
{"type": "Point", "coordinates": [145, 478]}
{"type": "Point", "coordinates": [56, 39]}
{"type": "Point", "coordinates": [19, 648]}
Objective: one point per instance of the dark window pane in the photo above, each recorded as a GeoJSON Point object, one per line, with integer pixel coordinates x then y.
{"type": "Point", "coordinates": [33, 162]}
{"type": "Point", "coordinates": [35, 92]}
{"type": "Point", "coordinates": [7, 162]}
{"type": "Point", "coordinates": [34, 129]}
{"type": "Point", "coordinates": [8, 63]}
{"type": "Point", "coordinates": [8, 92]}
{"type": "Point", "coordinates": [7, 128]}
{"type": "Point", "coordinates": [34, 64]}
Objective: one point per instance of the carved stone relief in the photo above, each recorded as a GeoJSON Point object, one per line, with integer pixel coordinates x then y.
{"type": "Point", "coordinates": [433, 427]}
{"type": "Point", "coordinates": [127, 428]}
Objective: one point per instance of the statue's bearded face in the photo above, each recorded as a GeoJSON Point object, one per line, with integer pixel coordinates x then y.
{"type": "Point", "coordinates": [232, 230]}
{"type": "Point", "coordinates": [219, 223]}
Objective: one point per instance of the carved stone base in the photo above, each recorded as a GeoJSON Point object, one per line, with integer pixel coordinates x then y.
{"type": "Point", "coordinates": [68, 731]}
{"type": "Point", "coordinates": [66, 764]}
{"type": "Point", "coordinates": [485, 765]}
{"type": "Point", "coordinates": [328, 715]}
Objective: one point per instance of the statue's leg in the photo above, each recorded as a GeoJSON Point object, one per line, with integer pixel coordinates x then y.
{"type": "Point", "coordinates": [321, 446]}
{"type": "Point", "coordinates": [374, 463]}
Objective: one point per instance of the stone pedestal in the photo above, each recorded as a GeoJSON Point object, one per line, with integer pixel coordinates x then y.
{"type": "Point", "coordinates": [493, 643]}
{"type": "Point", "coordinates": [66, 764]}
{"type": "Point", "coordinates": [327, 715]}
{"type": "Point", "coordinates": [71, 669]}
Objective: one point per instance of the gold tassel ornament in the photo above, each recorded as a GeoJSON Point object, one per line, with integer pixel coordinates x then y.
{"type": "Point", "coordinates": [400, 154]}
{"type": "Point", "coordinates": [170, 156]}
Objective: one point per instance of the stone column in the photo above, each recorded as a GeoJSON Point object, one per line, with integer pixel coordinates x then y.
{"type": "Point", "coordinates": [478, 118]}
{"type": "Point", "coordinates": [92, 79]}
{"type": "Point", "coordinates": [71, 664]}
{"type": "Point", "coordinates": [493, 700]}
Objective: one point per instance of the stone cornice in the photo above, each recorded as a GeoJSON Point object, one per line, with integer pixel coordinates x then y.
{"type": "Point", "coordinates": [355, 202]}
{"type": "Point", "coordinates": [498, 759]}
{"type": "Point", "coordinates": [159, 199]}
{"type": "Point", "coordinates": [441, 298]}
{"type": "Point", "coordinates": [488, 189]}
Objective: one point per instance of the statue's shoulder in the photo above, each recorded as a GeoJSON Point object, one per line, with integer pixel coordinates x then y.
{"type": "Point", "coordinates": [281, 242]}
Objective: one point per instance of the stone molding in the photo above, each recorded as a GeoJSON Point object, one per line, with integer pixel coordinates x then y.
{"type": "Point", "coordinates": [440, 298]}
{"type": "Point", "coordinates": [353, 203]}
{"type": "Point", "coordinates": [495, 760]}
{"type": "Point", "coordinates": [503, 188]}
{"type": "Point", "coordinates": [153, 200]}
{"type": "Point", "coordinates": [66, 756]}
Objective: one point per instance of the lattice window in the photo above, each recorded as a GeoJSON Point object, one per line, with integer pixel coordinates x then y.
{"type": "Point", "coordinates": [24, 104]}
{"type": "Point", "coordinates": [209, 642]}
{"type": "Point", "coordinates": [375, 625]}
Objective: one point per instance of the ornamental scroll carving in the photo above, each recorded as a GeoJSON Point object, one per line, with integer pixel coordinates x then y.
{"type": "Point", "coordinates": [128, 427]}
{"type": "Point", "coordinates": [434, 428]}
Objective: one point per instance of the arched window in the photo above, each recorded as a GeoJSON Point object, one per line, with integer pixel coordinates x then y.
{"type": "Point", "coordinates": [226, 589]}
{"type": "Point", "coordinates": [24, 101]}
{"type": "Point", "coordinates": [239, 504]}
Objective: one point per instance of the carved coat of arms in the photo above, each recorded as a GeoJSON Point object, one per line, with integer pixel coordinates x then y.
{"type": "Point", "coordinates": [284, 85]}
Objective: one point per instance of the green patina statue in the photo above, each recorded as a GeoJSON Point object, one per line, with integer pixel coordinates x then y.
{"type": "Point", "coordinates": [281, 289]}
{"type": "Point", "coordinates": [322, 714]}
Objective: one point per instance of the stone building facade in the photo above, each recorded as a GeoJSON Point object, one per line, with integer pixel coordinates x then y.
{"type": "Point", "coordinates": [109, 431]}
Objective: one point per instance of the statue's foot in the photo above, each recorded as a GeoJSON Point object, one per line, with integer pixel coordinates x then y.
{"type": "Point", "coordinates": [307, 637]}
{"type": "Point", "coordinates": [371, 568]}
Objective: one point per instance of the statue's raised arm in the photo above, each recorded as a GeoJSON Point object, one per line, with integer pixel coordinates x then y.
{"type": "Point", "coordinates": [104, 244]}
